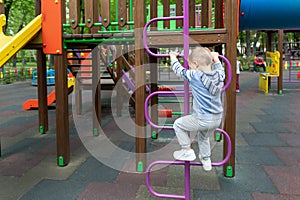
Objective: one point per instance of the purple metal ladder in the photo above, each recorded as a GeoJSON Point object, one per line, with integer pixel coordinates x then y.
{"type": "Point", "coordinates": [186, 94]}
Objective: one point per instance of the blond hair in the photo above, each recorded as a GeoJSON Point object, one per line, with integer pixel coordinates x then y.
{"type": "Point", "coordinates": [201, 56]}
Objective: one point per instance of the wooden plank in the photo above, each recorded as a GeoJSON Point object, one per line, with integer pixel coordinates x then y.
{"type": "Point", "coordinates": [206, 13]}
{"type": "Point", "coordinates": [122, 12]}
{"type": "Point", "coordinates": [219, 17]}
{"type": "Point", "coordinates": [192, 13]}
{"type": "Point", "coordinates": [74, 12]}
{"type": "Point", "coordinates": [89, 13]}
{"type": "Point", "coordinates": [179, 12]}
{"type": "Point", "coordinates": [127, 66]}
{"type": "Point", "coordinates": [105, 12]}
{"type": "Point", "coordinates": [153, 13]}
{"type": "Point", "coordinates": [166, 12]}
{"type": "Point", "coordinates": [95, 29]}
{"type": "Point", "coordinates": [158, 39]}
{"type": "Point", "coordinates": [231, 53]}
{"type": "Point", "coordinates": [140, 129]}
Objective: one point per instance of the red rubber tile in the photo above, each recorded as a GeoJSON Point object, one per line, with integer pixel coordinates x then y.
{"type": "Point", "coordinates": [286, 179]}
{"type": "Point", "coordinates": [289, 155]}
{"type": "Point", "coordinates": [260, 196]}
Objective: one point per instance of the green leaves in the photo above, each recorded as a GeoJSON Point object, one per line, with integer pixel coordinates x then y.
{"type": "Point", "coordinates": [19, 13]}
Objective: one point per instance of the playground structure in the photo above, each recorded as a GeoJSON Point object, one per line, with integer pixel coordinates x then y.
{"type": "Point", "coordinates": [59, 37]}
{"type": "Point", "coordinates": [57, 43]}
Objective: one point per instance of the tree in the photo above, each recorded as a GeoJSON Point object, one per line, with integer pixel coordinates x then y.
{"type": "Point", "coordinates": [18, 13]}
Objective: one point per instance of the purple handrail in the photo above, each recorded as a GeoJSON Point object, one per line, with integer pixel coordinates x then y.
{"type": "Point", "coordinates": [164, 93]}
{"type": "Point", "coordinates": [187, 165]}
{"type": "Point", "coordinates": [127, 80]}
{"type": "Point", "coordinates": [229, 72]}
{"type": "Point", "coordinates": [145, 34]}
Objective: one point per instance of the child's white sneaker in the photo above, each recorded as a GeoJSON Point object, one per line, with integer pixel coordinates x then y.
{"type": "Point", "coordinates": [184, 155]}
{"type": "Point", "coordinates": [206, 162]}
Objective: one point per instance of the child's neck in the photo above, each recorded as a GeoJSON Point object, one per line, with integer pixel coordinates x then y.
{"type": "Point", "coordinates": [205, 68]}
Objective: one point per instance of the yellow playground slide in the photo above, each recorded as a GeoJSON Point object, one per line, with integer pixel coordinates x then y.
{"type": "Point", "coordinates": [10, 45]}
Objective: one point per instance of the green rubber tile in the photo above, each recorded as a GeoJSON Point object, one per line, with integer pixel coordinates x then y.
{"type": "Point", "coordinates": [272, 118]}
{"type": "Point", "coordinates": [248, 178]}
{"type": "Point", "coordinates": [222, 195]}
{"type": "Point", "coordinates": [257, 155]}
{"type": "Point", "coordinates": [263, 139]}
{"type": "Point", "coordinates": [269, 127]}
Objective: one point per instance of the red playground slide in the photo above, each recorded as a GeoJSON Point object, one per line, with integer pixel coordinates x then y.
{"type": "Point", "coordinates": [51, 98]}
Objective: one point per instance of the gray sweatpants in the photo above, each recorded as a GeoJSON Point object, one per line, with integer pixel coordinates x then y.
{"type": "Point", "coordinates": [204, 129]}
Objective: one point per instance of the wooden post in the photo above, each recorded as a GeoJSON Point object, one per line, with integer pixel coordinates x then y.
{"type": "Point", "coordinates": [154, 65]}
{"type": "Point", "coordinates": [42, 91]}
{"type": "Point", "coordinates": [280, 49]}
{"type": "Point", "coordinates": [78, 97]}
{"type": "Point", "coordinates": [231, 53]}
{"type": "Point", "coordinates": [42, 82]}
{"type": "Point", "coordinates": [153, 71]}
{"type": "Point", "coordinates": [140, 129]}
{"type": "Point", "coordinates": [269, 41]}
{"type": "Point", "coordinates": [62, 109]}
{"type": "Point", "coordinates": [219, 19]}
{"type": "Point", "coordinates": [118, 78]}
{"type": "Point", "coordinates": [92, 8]}
{"type": "Point", "coordinates": [206, 13]}
{"type": "Point", "coordinates": [96, 91]}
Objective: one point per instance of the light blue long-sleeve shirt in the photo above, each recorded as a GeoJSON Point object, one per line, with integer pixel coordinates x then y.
{"type": "Point", "coordinates": [206, 89]}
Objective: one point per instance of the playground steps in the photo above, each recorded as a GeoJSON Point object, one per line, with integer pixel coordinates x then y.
{"type": "Point", "coordinates": [80, 64]}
